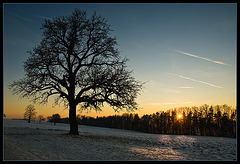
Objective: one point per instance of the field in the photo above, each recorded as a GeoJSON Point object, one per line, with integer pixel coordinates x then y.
{"type": "Point", "coordinates": [45, 141]}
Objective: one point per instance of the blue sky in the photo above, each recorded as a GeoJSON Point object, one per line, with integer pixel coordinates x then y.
{"type": "Point", "coordinates": [185, 52]}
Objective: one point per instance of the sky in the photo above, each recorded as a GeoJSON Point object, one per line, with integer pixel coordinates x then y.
{"type": "Point", "coordinates": [186, 53]}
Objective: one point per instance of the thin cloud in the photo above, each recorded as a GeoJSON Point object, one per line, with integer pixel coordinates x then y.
{"type": "Point", "coordinates": [170, 90]}
{"type": "Point", "coordinates": [207, 59]}
{"type": "Point", "coordinates": [154, 83]}
{"type": "Point", "coordinates": [186, 87]}
{"type": "Point", "coordinates": [168, 103]}
{"type": "Point", "coordinates": [189, 102]}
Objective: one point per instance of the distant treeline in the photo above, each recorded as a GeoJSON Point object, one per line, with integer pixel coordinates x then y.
{"type": "Point", "coordinates": [219, 120]}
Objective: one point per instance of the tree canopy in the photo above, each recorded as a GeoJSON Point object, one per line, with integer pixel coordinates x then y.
{"type": "Point", "coordinates": [30, 112]}
{"type": "Point", "coordinates": [78, 62]}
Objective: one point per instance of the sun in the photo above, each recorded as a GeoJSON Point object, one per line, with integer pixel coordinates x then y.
{"type": "Point", "coordinates": [179, 116]}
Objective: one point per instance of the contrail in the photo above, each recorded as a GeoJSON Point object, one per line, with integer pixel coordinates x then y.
{"type": "Point", "coordinates": [21, 17]}
{"type": "Point", "coordinates": [39, 16]}
{"type": "Point", "coordinates": [192, 55]}
{"type": "Point", "coordinates": [188, 78]}
{"type": "Point", "coordinates": [199, 81]}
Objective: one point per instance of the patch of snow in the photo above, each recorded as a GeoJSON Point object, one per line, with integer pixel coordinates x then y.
{"type": "Point", "coordinates": [45, 141]}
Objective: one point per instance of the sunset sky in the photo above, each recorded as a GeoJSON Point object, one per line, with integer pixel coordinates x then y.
{"type": "Point", "coordinates": [186, 53]}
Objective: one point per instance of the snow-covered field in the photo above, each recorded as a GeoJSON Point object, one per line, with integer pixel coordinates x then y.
{"type": "Point", "coordinates": [45, 141]}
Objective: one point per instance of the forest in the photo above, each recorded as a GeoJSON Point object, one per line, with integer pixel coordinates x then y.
{"type": "Point", "coordinates": [205, 120]}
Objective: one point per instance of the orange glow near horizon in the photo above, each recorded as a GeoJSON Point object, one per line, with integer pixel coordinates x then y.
{"type": "Point", "coordinates": [179, 116]}
{"type": "Point", "coordinates": [15, 107]}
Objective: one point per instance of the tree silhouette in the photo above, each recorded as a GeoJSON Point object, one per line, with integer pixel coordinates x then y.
{"type": "Point", "coordinates": [41, 118]}
{"type": "Point", "coordinates": [30, 112]}
{"type": "Point", "coordinates": [55, 118]}
{"type": "Point", "coordinates": [192, 122]}
{"type": "Point", "coordinates": [77, 62]}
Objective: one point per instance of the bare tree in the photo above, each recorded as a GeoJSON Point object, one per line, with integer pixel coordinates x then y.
{"type": "Point", "coordinates": [55, 118]}
{"type": "Point", "coordinates": [30, 112]}
{"type": "Point", "coordinates": [78, 62]}
{"type": "Point", "coordinates": [41, 118]}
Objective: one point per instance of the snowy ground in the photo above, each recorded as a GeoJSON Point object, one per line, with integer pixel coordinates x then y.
{"type": "Point", "coordinates": [45, 141]}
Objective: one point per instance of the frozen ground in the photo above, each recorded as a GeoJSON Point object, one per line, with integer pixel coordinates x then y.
{"type": "Point", "coordinates": [45, 141]}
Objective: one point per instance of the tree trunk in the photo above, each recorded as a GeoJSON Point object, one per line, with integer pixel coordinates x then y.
{"type": "Point", "coordinates": [29, 118]}
{"type": "Point", "coordinates": [73, 119]}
